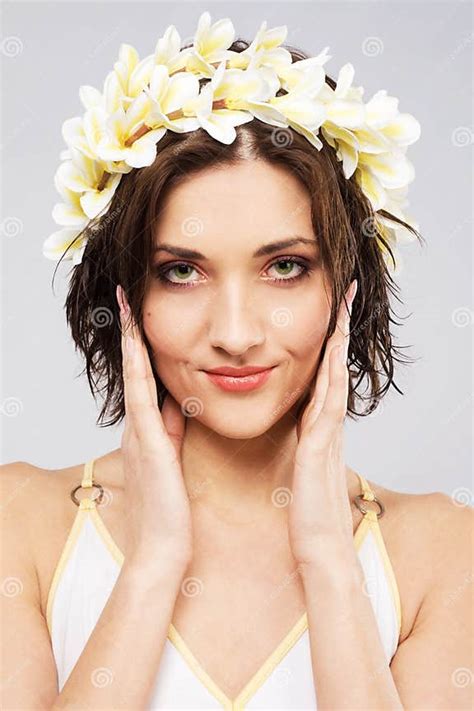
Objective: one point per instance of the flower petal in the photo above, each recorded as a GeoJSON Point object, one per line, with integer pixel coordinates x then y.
{"type": "Point", "coordinates": [371, 187]}
{"type": "Point", "coordinates": [181, 87]}
{"type": "Point", "coordinates": [346, 113]}
{"type": "Point", "coordinates": [381, 109]}
{"type": "Point", "coordinates": [403, 130]}
{"type": "Point", "coordinates": [94, 201]}
{"type": "Point", "coordinates": [56, 244]}
{"type": "Point", "coordinates": [90, 96]}
{"type": "Point", "coordinates": [393, 169]}
{"type": "Point", "coordinates": [143, 151]}
{"type": "Point", "coordinates": [344, 80]}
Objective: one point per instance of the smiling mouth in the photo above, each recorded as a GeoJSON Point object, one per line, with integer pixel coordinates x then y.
{"type": "Point", "coordinates": [241, 383]}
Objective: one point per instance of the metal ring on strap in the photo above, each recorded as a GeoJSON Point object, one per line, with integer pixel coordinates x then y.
{"type": "Point", "coordinates": [364, 510]}
{"type": "Point", "coordinates": [97, 499]}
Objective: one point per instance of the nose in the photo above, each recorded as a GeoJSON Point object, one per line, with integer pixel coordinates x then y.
{"type": "Point", "coordinates": [235, 322]}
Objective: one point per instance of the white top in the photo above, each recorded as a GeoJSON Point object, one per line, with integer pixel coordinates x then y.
{"type": "Point", "coordinates": [86, 574]}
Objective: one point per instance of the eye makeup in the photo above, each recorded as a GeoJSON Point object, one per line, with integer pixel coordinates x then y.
{"type": "Point", "coordinates": [161, 271]}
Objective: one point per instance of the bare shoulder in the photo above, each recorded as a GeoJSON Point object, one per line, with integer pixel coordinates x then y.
{"type": "Point", "coordinates": [38, 513]}
{"type": "Point", "coordinates": [435, 518]}
{"type": "Point", "coordinates": [429, 541]}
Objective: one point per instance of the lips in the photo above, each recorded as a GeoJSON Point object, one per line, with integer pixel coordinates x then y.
{"type": "Point", "coordinates": [248, 378]}
{"type": "Point", "coordinates": [238, 372]}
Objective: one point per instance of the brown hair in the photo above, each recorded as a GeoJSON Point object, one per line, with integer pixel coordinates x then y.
{"type": "Point", "coordinates": [120, 243]}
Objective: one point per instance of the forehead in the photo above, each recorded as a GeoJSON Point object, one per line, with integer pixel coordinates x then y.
{"type": "Point", "coordinates": [243, 204]}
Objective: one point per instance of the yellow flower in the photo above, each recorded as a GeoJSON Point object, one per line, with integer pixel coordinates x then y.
{"type": "Point", "coordinates": [167, 97]}
{"type": "Point", "coordinates": [126, 137]}
{"type": "Point", "coordinates": [91, 180]}
{"type": "Point", "coordinates": [58, 242]}
{"type": "Point", "coordinates": [302, 110]}
{"type": "Point", "coordinates": [231, 98]}
{"type": "Point", "coordinates": [264, 51]}
{"type": "Point", "coordinates": [168, 52]}
{"type": "Point", "coordinates": [211, 42]}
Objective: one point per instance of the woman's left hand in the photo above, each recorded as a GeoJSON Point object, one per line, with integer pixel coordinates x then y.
{"type": "Point", "coordinates": [319, 512]}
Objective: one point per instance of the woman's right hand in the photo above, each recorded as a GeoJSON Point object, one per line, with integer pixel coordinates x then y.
{"type": "Point", "coordinates": [158, 512]}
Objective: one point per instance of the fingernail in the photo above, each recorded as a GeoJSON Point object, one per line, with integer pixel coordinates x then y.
{"type": "Point", "coordinates": [124, 303]}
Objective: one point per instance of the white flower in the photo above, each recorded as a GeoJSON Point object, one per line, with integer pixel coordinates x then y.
{"type": "Point", "coordinates": [90, 179]}
{"type": "Point", "coordinates": [55, 245]}
{"type": "Point", "coordinates": [231, 98]}
{"type": "Point", "coordinates": [263, 51]}
{"type": "Point", "coordinates": [168, 52]}
{"type": "Point", "coordinates": [121, 135]}
{"type": "Point", "coordinates": [168, 95]}
{"type": "Point", "coordinates": [302, 110]}
{"type": "Point", "coordinates": [210, 46]}
{"type": "Point", "coordinates": [142, 99]}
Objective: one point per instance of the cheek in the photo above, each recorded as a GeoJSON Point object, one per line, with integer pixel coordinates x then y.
{"type": "Point", "coordinates": [166, 330]}
{"type": "Point", "coordinates": [306, 329]}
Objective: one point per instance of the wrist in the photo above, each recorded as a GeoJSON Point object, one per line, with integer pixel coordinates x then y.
{"type": "Point", "coordinates": [162, 570]}
{"type": "Point", "coordinates": [331, 562]}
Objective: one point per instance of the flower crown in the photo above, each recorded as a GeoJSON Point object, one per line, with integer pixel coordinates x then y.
{"type": "Point", "coordinates": [141, 100]}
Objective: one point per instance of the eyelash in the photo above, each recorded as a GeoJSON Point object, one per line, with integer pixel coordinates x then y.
{"type": "Point", "coordinates": [160, 272]}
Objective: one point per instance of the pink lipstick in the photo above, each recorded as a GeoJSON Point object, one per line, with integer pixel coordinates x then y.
{"type": "Point", "coordinates": [239, 379]}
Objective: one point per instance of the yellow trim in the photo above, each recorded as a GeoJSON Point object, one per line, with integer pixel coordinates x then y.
{"type": "Point", "coordinates": [68, 547]}
{"type": "Point", "coordinates": [88, 507]}
{"type": "Point", "coordinates": [373, 521]}
{"type": "Point", "coordinates": [88, 471]}
{"type": "Point", "coordinates": [388, 569]}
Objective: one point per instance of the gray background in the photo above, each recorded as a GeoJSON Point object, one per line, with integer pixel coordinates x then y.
{"type": "Point", "coordinates": [419, 52]}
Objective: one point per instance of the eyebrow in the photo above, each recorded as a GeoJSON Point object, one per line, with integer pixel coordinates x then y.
{"type": "Point", "coordinates": [262, 251]}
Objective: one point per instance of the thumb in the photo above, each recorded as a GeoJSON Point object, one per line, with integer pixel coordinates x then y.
{"type": "Point", "coordinates": [174, 422]}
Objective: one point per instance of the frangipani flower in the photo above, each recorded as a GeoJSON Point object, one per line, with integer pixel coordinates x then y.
{"type": "Point", "coordinates": [168, 52]}
{"type": "Point", "coordinates": [142, 99]}
{"type": "Point", "coordinates": [167, 95]}
{"type": "Point", "coordinates": [127, 137]}
{"type": "Point", "coordinates": [231, 98]}
{"type": "Point", "coordinates": [91, 180]}
{"type": "Point", "coordinates": [211, 43]}
{"type": "Point", "coordinates": [291, 75]}
{"type": "Point", "coordinates": [264, 51]}
{"type": "Point", "coordinates": [56, 244]}
{"type": "Point", "coordinates": [302, 111]}
{"type": "Point", "coordinates": [109, 100]}
{"type": "Point", "coordinates": [84, 134]}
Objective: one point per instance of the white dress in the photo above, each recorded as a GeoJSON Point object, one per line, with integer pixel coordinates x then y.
{"type": "Point", "coordinates": [86, 574]}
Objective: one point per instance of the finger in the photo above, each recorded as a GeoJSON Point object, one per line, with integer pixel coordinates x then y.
{"type": "Point", "coordinates": [324, 430]}
{"type": "Point", "coordinates": [141, 407]}
{"type": "Point", "coordinates": [142, 410]}
{"type": "Point", "coordinates": [339, 337]}
{"type": "Point", "coordinates": [129, 327]}
{"type": "Point", "coordinates": [341, 332]}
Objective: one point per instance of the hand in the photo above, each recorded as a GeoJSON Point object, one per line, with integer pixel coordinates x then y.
{"type": "Point", "coordinates": [320, 509]}
{"type": "Point", "coordinates": [157, 505]}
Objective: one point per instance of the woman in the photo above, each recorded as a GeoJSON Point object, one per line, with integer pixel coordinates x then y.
{"type": "Point", "coordinates": [225, 556]}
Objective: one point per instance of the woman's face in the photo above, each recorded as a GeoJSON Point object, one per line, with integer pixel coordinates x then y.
{"type": "Point", "coordinates": [234, 306]}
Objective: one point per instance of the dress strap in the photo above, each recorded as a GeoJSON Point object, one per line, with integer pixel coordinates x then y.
{"type": "Point", "coordinates": [368, 495]}
{"type": "Point", "coordinates": [88, 483]}
{"type": "Point", "coordinates": [88, 477]}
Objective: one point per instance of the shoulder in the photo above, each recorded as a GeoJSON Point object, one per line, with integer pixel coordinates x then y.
{"type": "Point", "coordinates": [436, 517]}
{"type": "Point", "coordinates": [429, 538]}
{"type": "Point", "coordinates": [37, 516]}
{"type": "Point", "coordinates": [26, 487]}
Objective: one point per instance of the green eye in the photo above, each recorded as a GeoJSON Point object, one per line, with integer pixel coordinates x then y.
{"type": "Point", "coordinates": [180, 267]}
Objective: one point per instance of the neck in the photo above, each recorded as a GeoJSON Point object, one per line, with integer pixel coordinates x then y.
{"type": "Point", "coordinates": [243, 480]}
